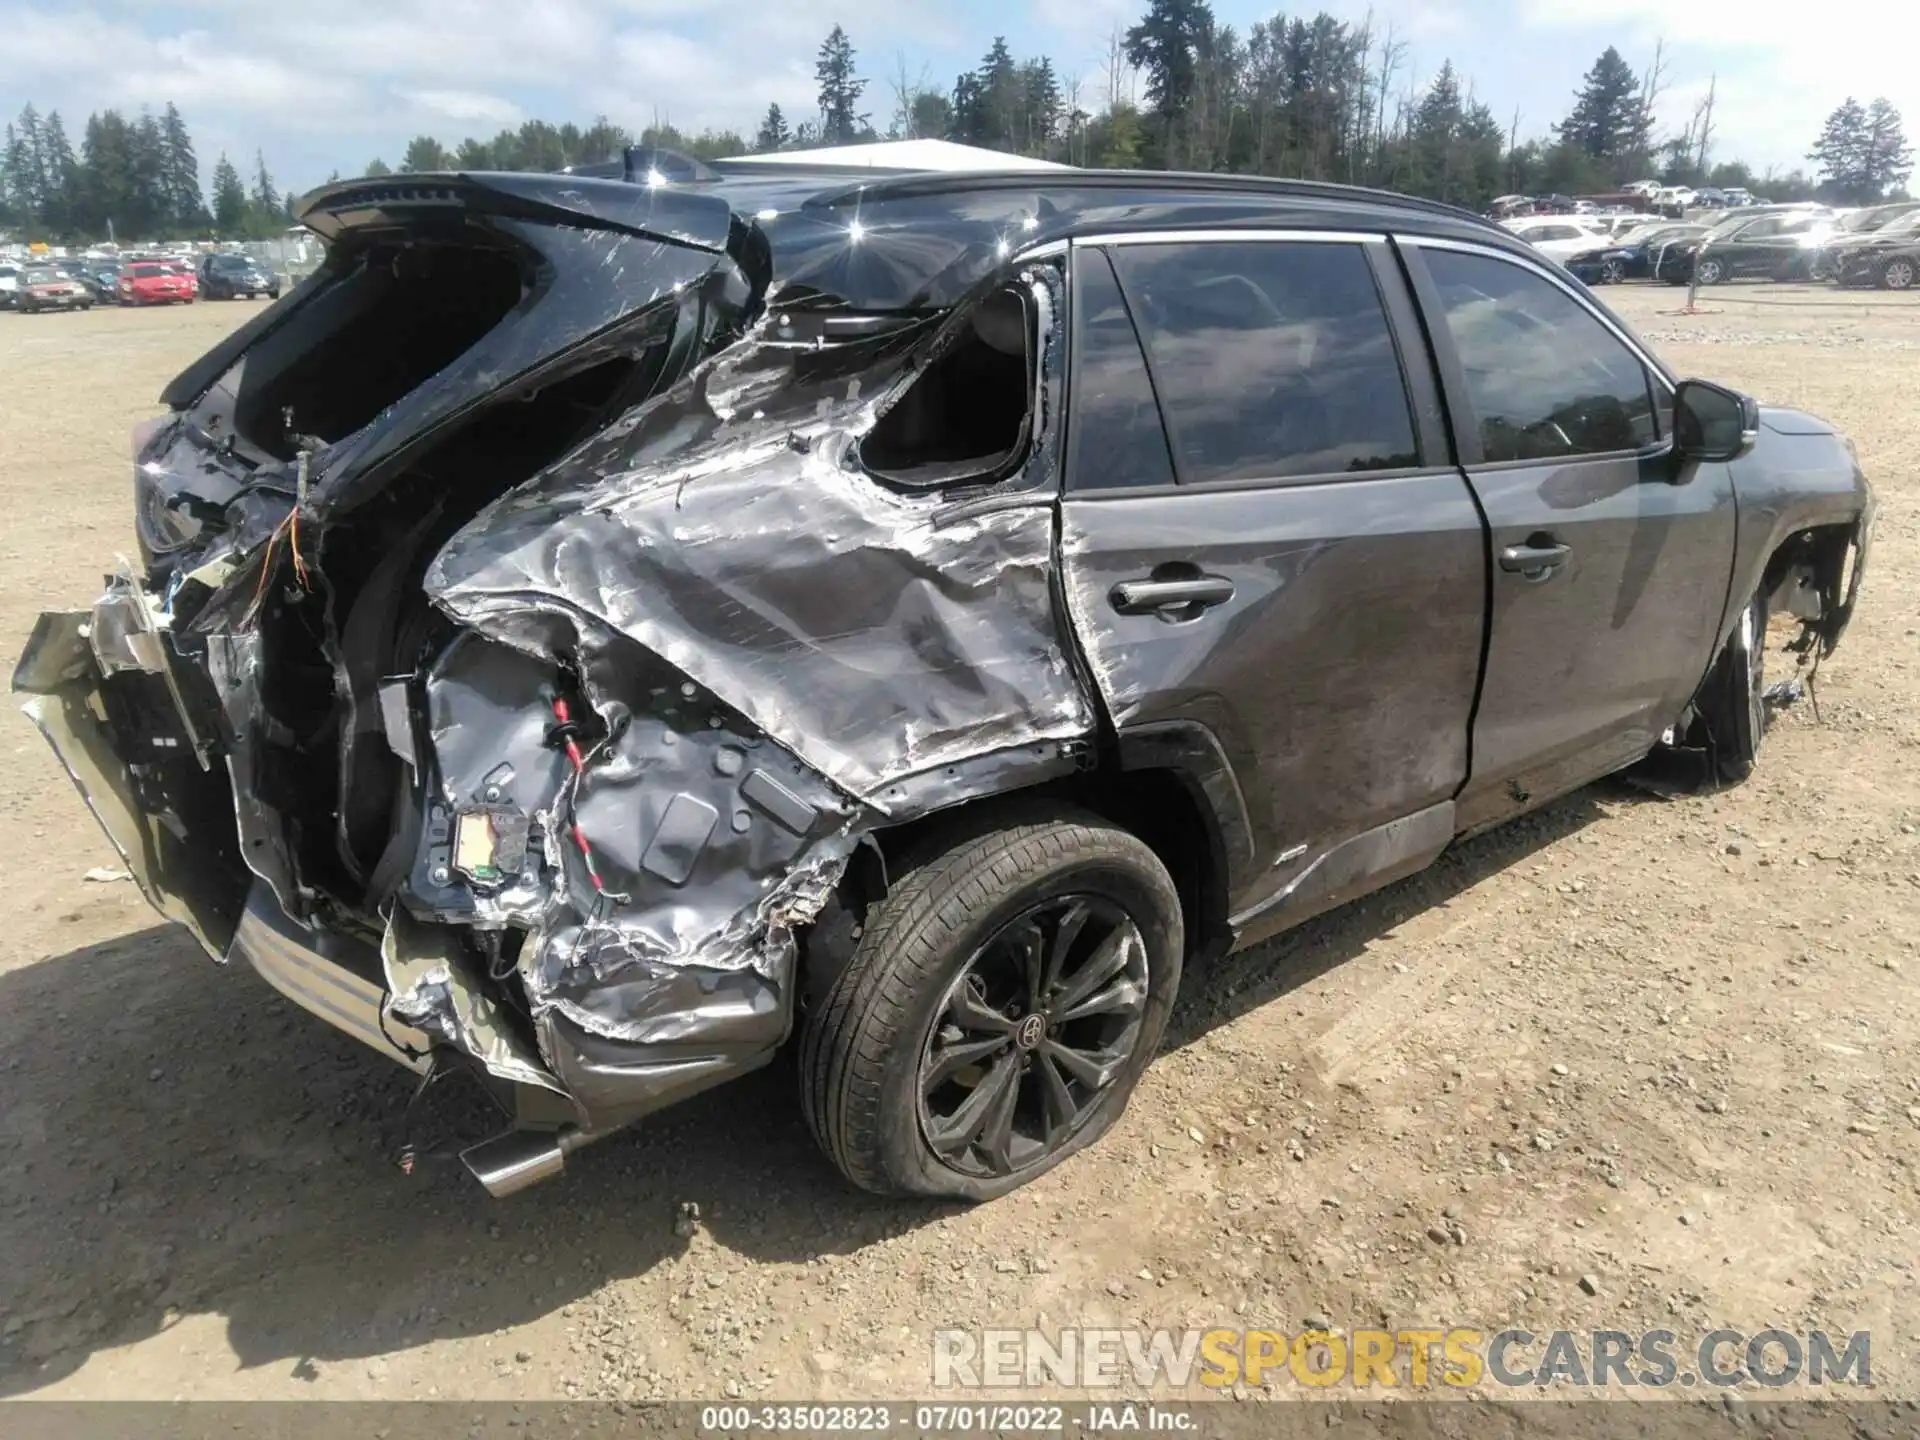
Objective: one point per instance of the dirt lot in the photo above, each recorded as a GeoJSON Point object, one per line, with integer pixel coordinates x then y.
{"type": "Point", "coordinates": [1668, 1046]}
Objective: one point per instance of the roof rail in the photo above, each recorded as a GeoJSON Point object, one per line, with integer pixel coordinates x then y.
{"type": "Point", "coordinates": [950, 182]}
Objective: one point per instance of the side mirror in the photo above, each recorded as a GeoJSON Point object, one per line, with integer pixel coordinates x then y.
{"type": "Point", "coordinates": [1711, 422]}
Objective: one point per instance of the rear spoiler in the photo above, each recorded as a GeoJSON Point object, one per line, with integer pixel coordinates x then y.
{"type": "Point", "coordinates": [335, 212]}
{"type": "Point", "coordinates": [702, 221]}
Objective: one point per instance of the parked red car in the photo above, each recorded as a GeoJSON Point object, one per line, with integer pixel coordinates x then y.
{"type": "Point", "coordinates": [151, 283]}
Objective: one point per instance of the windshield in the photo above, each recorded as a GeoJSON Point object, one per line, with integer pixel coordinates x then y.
{"type": "Point", "coordinates": [1863, 221]}
{"type": "Point", "coordinates": [1907, 224]}
{"type": "Point", "coordinates": [232, 262]}
{"type": "Point", "coordinates": [147, 272]}
{"type": "Point", "coordinates": [44, 277]}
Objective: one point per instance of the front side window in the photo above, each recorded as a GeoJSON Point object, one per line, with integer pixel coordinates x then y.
{"type": "Point", "coordinates": [1546, 378]}
{"type": "Point", "coordinates": [1271, 358]}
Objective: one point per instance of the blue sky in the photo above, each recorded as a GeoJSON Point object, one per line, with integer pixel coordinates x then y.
{"type": "Point", "coordinates": [324, 85]}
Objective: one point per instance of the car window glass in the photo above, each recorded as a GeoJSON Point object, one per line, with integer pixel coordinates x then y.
{"type": "Point", "coordinates": [1545, 376]}
{"type": "Point", "coordinates": [1270, 358]}
{"type": "Point", "coordinates": [1115, 438]}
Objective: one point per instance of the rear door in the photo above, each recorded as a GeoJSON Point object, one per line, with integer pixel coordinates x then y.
{"type": "Point", "coordinates": [1611, 563]}
{"type": "Point", "coordinates": [1289, 573]}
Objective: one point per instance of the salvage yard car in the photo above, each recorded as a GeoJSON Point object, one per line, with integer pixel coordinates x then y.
{"type": "Point", "coordinates": [44, 288]}
{"type": "Point", "coordinates": [149, 282]}
{"type": "Point", "coordinates": [1887, 255]}
{"type": "Point", "coordinates": [227, 276]}
{"type": "Point", "coordinates": [590, 630]}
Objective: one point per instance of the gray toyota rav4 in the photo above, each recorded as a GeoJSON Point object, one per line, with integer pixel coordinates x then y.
{"type": "Point", "coordinates": [598, 626]}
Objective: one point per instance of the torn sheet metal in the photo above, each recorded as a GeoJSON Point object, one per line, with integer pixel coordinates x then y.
{"type": "Point", "coordinates": [710, 843]}
{"type": "Point", "coordinates": [432, 989]}
{"type": "Point", "coordinates": [729, 528]}
{"type": "Point", "coordinates": [170, 820]}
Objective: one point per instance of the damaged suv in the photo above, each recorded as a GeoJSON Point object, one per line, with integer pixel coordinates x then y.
{"type": "Point", "coordinates": [592, 629]}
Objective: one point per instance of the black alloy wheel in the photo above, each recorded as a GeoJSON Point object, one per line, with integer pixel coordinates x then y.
{"type": "Point", "coordinates": [1031, 1035]}
{"type": "Point", "coordinates": [1006, 994]}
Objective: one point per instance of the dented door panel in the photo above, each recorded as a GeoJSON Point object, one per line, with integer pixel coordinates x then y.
{"type": "Point", "coordinates": [1339, 677]}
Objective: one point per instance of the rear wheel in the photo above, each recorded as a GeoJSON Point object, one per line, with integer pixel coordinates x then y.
{"type": "Point", "coordinates": [1899, 274]}
{"type": "Point", "coordinates": [1003, 1000]}
{"type": "Point", "coordinates": [1731, 707]}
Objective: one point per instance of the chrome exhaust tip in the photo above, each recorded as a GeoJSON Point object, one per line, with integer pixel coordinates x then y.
{"type": "Point", "coordinates": [509, 1163]}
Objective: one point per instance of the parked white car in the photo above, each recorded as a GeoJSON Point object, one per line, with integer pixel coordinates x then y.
{"type": "Point", "coordinates": [1559, 236]}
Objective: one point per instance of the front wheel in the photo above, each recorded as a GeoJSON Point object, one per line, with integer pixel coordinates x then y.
{"type": "Point", "coordinates": [1612, 272]}
{"type": "Point", "coordinates": [1709, 272]}
{"type": "Point", "coordinates": [1899, 274]}
{"type": "Point", "coordinates": [1731, 708]}
{"type": "Point", "coordinates": [1003, 1001]}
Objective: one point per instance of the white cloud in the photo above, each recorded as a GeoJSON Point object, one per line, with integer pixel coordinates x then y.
{"type": "Point", "coordinates": [471, 108]}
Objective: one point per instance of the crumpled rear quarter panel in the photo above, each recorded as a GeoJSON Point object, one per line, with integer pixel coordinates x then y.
{"type": "Point", "coordinates": [729, 530]}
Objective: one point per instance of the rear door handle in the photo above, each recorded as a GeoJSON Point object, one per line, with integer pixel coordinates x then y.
{"type": "Point", "coordinates": [1147, 597]}
{"type": "Point", "coordinates": [1536, 562]}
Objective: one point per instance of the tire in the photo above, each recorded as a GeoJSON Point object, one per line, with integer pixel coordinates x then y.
{"type": "Point", "coordinates": [1730, 710]}
{"type": "Point", "coordinates": [939, 951]}
{"type": "Point", "coordinates": [1899, 273]}
{"type": "Point", "coordinates": [1709, 271]}
{"type": "Point", "coordinates": [1819, 270]}
{"type": "Point", "coordinates": [1612, 272]}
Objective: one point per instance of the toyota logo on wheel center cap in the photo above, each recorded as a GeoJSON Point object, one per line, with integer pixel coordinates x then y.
{"type": "Point", "coordinates": [1030, 1031]}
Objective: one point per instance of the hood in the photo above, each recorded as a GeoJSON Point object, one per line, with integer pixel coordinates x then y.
{"type": "Point", "coordinates": [1793, 422]}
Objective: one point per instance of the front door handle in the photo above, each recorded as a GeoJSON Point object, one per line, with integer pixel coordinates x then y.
{"type": "Point", "coordinates": [1169, 597]}
{"type": "Point", "coordinates": [1535, 560]}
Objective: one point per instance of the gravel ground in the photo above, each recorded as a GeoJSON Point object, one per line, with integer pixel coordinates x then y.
{"type": "Point", "coordinates": [1659, 1050]}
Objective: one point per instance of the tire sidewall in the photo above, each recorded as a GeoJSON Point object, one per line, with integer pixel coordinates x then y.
{"type": "Point", "coordinates": [1737, 730]}
{"type": "Point", "coordinates": [1141, 888]}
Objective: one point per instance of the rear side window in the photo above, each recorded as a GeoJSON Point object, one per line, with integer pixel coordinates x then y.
{"type": "Point", "coordinates": [1545, 376]}
{"type": "Point", "coordinates": [1271, 358]}
{"type": "Point", "coordinates": [1114, 434]}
